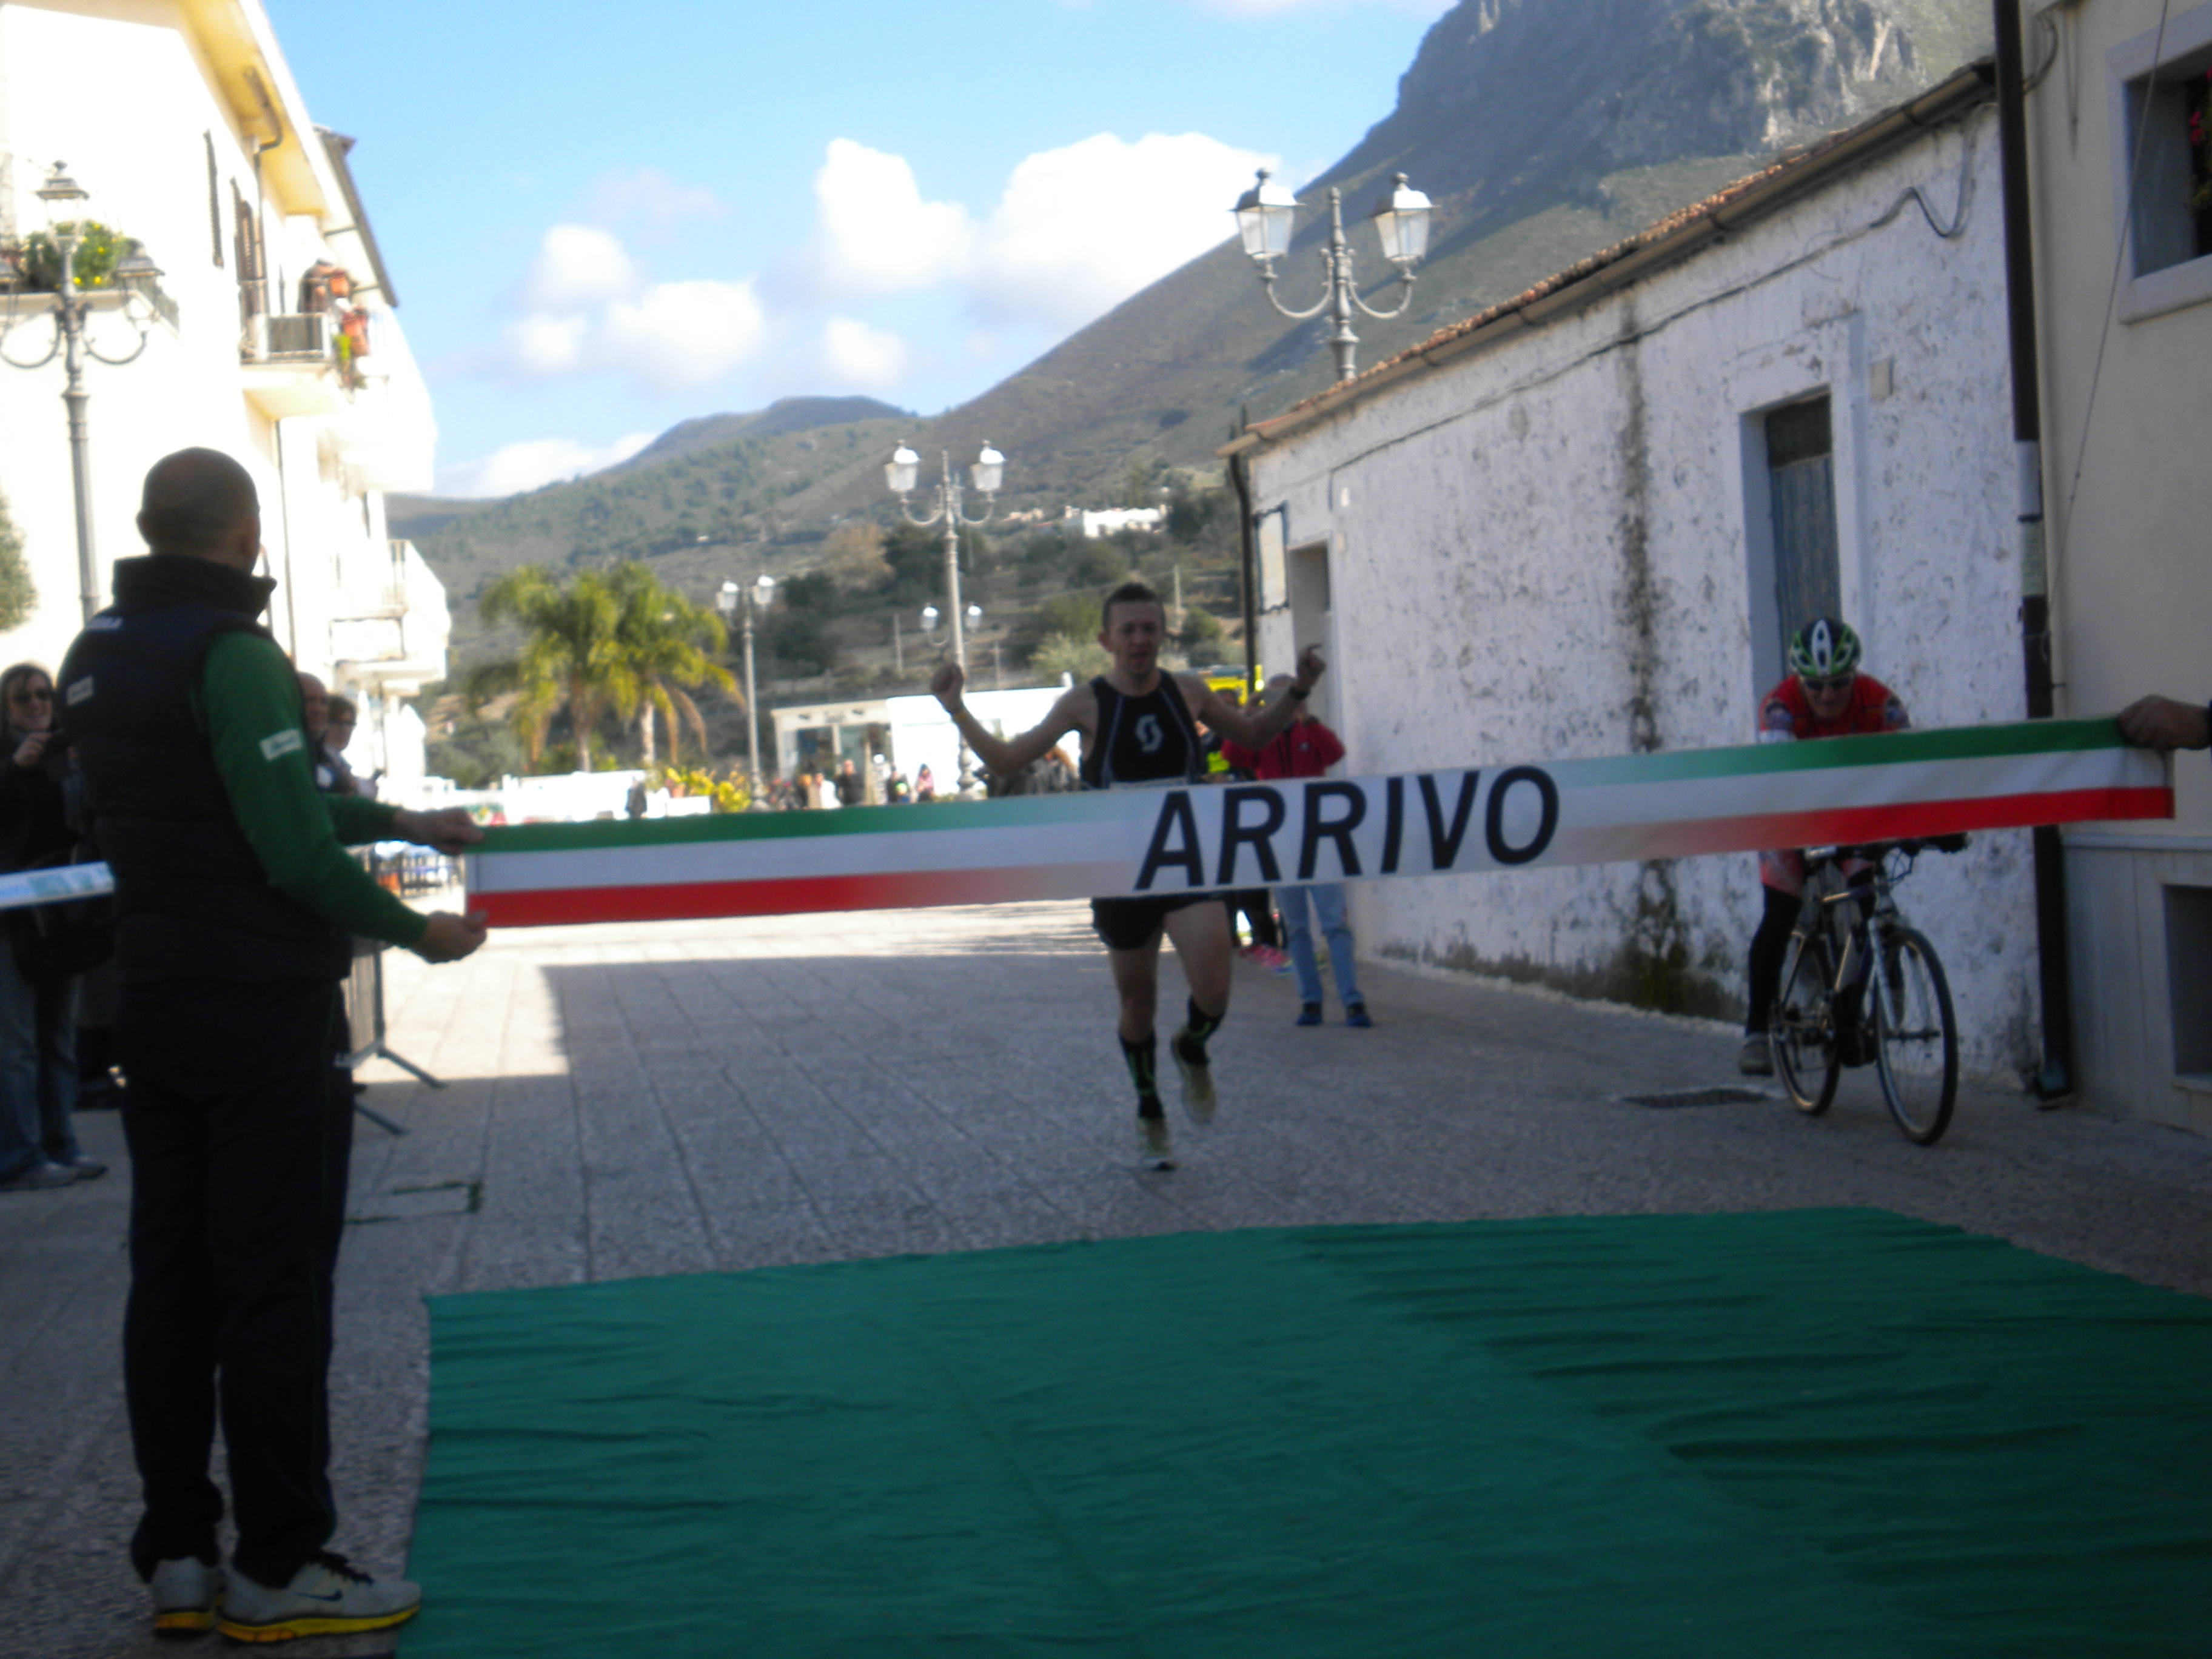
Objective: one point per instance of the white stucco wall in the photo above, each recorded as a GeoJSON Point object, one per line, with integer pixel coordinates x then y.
{"type": "Point", "coordinates": [2126, 366]}
{"type": "Point", "coordinates": [1540, 552]}
{"type": "Point", "coordinates": [319, 476]}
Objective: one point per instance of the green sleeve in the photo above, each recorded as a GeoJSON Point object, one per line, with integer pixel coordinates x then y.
{"type": "Point", "coordinates": [249, 703]}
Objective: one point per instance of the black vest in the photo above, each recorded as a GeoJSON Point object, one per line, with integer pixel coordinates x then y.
{"type": "Point", "coordinates": [1146, 739]}
{"type": "Point", "coordinates": [191, 899]}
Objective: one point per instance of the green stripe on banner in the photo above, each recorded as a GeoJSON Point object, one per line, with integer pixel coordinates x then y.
{"type": "Point", "coordinates": [1830, 754]}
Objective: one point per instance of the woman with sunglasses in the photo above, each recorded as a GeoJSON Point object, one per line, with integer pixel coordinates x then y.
{"type": "Point", "coordinates": [38, 1010]}
{"type": "Point", "coordinates": [1825, 697]}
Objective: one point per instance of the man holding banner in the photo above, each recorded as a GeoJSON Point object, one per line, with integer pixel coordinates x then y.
{"type": "Point", "coordinates": [234, 898]}
{"type": "Point", "coordinates": [1139, 726]}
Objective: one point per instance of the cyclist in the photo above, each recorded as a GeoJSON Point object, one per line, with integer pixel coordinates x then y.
{"type": "Point", "coordinates": [1826, 695]}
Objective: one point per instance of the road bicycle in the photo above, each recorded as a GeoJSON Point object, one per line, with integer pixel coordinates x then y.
{"type": "Point", "coordinates": [1860, 987]}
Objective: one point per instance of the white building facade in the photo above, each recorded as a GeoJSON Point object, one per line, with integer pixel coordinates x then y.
{"type": "Point", "coordinates": [2124, 289]}
{"type": "Point", "coordinates": [198, 147]}
{"type": "Point", "coordinates": [1582, 523]}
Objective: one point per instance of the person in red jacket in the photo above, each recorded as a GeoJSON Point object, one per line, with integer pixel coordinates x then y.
{"type": "Point", "coordinates": [1825, 697]}
{"type": "Point", "coordinates": [1306, 748]}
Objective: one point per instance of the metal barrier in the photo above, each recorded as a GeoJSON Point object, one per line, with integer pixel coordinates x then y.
{"type": "Point", "coordinates": [406, 874]}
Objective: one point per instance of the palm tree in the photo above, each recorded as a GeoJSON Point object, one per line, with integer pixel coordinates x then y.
{"type": "Point", "coordinates": [663, 649]}
{"type": "Point", "coordinates": [569, 653]}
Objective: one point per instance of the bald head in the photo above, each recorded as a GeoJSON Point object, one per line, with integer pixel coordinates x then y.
{"type": "Point", "coordinates": [201, 503]}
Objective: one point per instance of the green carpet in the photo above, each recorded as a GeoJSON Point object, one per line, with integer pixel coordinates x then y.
{"type": "Point", "coordinates": [1803, 1434]}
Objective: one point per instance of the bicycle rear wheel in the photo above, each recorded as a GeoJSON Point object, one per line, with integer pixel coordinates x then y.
{"type": "Point", "coordinates": [1916, 1035]}
{"type": "Point", "coordinates": [1803, 1031]}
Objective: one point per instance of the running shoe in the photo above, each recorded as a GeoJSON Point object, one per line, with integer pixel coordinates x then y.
{"type": "Point", "coordinates": [1309, 1014]}
{"type": "Point", "coordinates": [1357, 1015]}
{"type": "Point", "coordinates": [1190, 1058]}
{"type": "Point", "coordinates": [1155, 1148]}
{"type": "Point", "coordinates": [186, 1592]}
{"type": "Point", "coordinates": [39, 1177]}
{"type": "Point", "coordinates": [326, 1597]}
{"type": "Point", "coordinates": [1756, 1057]}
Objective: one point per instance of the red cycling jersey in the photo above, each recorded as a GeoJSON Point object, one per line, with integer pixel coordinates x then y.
{"type": "Point", "coordinates": [1873, 708]}
{"type": "Point", "coordinates": [1785, 713]}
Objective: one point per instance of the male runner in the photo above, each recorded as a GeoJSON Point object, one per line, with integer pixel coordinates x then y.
{"type": "Point", "coordinates": [1139, 726]}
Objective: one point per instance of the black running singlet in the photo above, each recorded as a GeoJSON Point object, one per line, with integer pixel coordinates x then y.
{"type": "Point", "coordinates": [1147, 739]}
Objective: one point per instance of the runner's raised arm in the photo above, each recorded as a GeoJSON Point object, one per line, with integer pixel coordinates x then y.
{"type": "Point", "coordinates": [1253, 731]}
{"type": "Point", "coordinates": [1007, 756]}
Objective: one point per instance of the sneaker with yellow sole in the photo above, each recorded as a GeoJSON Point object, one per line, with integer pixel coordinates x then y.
{"type": "Point", "coordinates": [326, 1597]}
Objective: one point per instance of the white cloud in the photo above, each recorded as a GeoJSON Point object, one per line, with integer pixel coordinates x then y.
{"type": "Point", "coordinates": [535, 345]}
{"type": "Point", "coordinates": [540, 461]}
{"type": "Point", "coordinates": [577, 266]}
{"type": "Point", "coordinates": [679, 334]}
{"type": "Point", "coordinates": [1079, 230]}
{"type": "Point", "coordinates": [862, 358]}
{"type": "Point", "coordinates": [651, 199]}
{"type": "Point", "coordinates": [872, 232]}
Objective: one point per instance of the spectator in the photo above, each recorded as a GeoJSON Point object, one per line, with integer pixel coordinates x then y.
{"type": "Point", "coordinates": [925, 786]}
{"type": "Point", "coordinates": [852, 788]}
{"type": "Point", "coordinates": [900, 792]}
{"type": "Point", "coordinates": [1255, 905]}
{"type": "Point", "coordinates": [315, 715]}
{"type": "Point", "coordinates": [337, 735]}
{"type": "Point", "coordinates": [2165, 725]}
{"type": "Point", "coordinates": [38, 996]}
{"type": "Point", "coordinates": [1307, 749]}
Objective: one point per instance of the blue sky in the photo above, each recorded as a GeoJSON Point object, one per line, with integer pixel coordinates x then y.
{"type": "Point", "coordinates": [602, 219]}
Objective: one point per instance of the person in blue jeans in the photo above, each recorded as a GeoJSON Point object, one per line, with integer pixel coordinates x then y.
{"type": "Point", "coordinates": [1306, 748]}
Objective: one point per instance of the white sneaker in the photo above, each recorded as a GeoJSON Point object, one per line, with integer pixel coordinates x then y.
{"type": "Point", "coordinates": [326, 1597]}
{"type": "Point", "coordinates": [1155, 1146]}
{"type": "Point", "coordinates": [1198, 1096]}
{"type": "Point", "coordinates": [186, 1592]}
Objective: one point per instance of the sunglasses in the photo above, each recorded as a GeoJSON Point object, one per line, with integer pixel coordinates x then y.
{"type": "Point", "coordinates": [1839, 682]}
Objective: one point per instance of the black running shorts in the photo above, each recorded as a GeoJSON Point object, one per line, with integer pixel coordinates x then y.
{"type": "Point", "coordinates": [1131, 924]}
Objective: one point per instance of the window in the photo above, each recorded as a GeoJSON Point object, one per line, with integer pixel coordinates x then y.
{"type": "Point", "coordinates": [1801, 492]}
{"type": "Point", "coordinates": [2189, 978]}
{"type": "Point", "coordinates": [2171, 221]}
{"type": "Point", "coordinates": [214, 203]}
{"type": "Point", "coordinates": [2161, 140]}
{"type": "Point", "coordinates": [252, 295]}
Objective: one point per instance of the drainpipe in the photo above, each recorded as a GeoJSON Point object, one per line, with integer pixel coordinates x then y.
{"type": "Point", "coordinates": [1240, 476]}
{"type": "Point", "coordinates": [2057, 1076]}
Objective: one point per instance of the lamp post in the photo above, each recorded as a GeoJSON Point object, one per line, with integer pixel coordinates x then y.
{"type": "Point", "coordinates": [733, 597]}
{"type": "Point", "coordinates": [1265, 214]}
{"type": "Point", "coordinates": [136, 275]}
{"type": "Point", "coordinates": [901, 472]}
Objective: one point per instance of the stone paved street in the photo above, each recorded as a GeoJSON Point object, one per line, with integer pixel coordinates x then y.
{"type": "Point", "coordinates": [686, 1097]}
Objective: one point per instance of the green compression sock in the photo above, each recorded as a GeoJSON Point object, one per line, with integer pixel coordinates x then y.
{"type": "Point", "coordinates": [1202, 1025]}
{"type": "Point", "coordinates": [1143, 1060]}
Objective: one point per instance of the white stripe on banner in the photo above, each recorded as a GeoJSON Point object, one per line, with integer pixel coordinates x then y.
{"type": "Point", "coordinates": [71, 881]}
{"type": "Point", "coordinates": [1181, 840]}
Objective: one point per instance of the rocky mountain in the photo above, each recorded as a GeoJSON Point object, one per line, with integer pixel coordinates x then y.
{"type": "Point", "coordinates": [1543, 129]}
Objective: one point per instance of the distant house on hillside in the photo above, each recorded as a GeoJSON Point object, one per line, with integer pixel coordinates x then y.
{"type": "Point", "coordinates": [1583, 522]}
{"type": "Point", "coordinates": [268, 330]}
{"type": "Point", "coordinates": [1077, 523]}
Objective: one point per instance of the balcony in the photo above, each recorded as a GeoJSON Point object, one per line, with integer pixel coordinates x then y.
{"type": "Point", "coordinates": [289, 365]}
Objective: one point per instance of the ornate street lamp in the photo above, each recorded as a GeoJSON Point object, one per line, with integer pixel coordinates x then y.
{"type": "Point", "coordinates": [901, 472]}
{"type": "Point", "coordinates": [137, 275]}
{"type": "Point", "coordinates": [734, 598]}
{"type": "Point", "coordinates": [1265, 216]}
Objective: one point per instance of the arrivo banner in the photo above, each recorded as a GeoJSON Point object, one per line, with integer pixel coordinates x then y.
{"type": "Point", "coordinates": [1457, 821]}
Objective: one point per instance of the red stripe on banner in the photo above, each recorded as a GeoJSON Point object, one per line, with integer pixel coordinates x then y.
{"type": "Point", "coordinates": [795, 896]}
{"type": "Point", "coordinates": [1946, 818]}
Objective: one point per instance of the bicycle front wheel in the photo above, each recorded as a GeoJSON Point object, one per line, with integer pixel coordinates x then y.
{"type": "Point", "coordinates": [1916, 1035]}
{"type": "Point", "coordinates": [1803, 1031]}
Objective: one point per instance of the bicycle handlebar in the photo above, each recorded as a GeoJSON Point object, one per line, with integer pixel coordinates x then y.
{"type": "Point", "coordinates": [1873, 850]}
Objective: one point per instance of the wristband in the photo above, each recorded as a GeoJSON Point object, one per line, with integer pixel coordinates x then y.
{"type": "Point", "coordinates": [1300, 696]}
